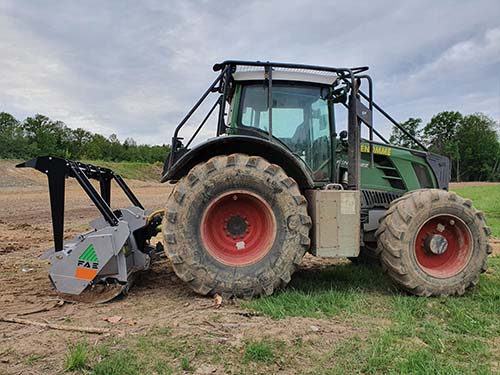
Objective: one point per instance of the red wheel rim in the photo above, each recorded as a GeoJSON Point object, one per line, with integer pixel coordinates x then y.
{"type": "Point", "coordinates": [238, 228]}
{"type": "Point", "coordinates": [443, 246]}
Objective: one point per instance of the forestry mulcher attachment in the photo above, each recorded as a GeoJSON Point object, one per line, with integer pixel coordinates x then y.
{"type": "Point", "coordinates": [101, 264]}
{"type": "Point", "coordinates": [293, 167]}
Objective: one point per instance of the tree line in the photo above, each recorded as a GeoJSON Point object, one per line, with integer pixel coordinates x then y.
{"type": "Point", "coordinates": [39, 135]}
{"type": "Point", "coordinates": [470, 141]}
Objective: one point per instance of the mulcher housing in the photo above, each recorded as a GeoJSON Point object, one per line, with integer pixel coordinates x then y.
{"type": "Point", "coordinates": [98, 265]}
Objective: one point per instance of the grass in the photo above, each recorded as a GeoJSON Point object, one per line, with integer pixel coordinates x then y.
{"type": "Point", "coordinates": [485, 198]}
{"type": "Point", "coordinates": [259, 351]}
{"type": "Point", "coordinates": [339, 290]}
{"type": "Point", "coordinates": [406, 334]}
{"type": "Point", "coordinates": [131, 170]}
{"type": "Point", "coordinates": [32, 359]}
{"type": "Point", "coordinates": [77, 357]}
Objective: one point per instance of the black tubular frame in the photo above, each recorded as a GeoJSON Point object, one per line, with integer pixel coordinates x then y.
{"type": "Point", "coordinates": [358, 112]}
{"type": "Point", "coordinates": [58, 169]}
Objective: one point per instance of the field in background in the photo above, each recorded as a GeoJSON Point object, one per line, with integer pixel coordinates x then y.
{"type": "Point", "coordinates": [130, 170]}
{"type": "Point", "coordinates": [487, 199]}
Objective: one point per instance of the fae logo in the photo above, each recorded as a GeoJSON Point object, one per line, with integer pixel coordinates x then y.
{"type": "Point", "coordinates": [87, 264]}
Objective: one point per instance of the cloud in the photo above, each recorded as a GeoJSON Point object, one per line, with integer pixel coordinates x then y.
{"type": "Point", "coordinates": [135, 68]}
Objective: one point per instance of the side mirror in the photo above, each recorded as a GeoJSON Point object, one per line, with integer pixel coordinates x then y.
{"type": "Point", "coordinates": [338, 95]}
{"type": "Point", "coordinates": [343, 135]}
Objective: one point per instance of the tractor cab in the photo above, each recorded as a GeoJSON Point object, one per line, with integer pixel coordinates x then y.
{"type": "Point", "coordinates": [300, 120]}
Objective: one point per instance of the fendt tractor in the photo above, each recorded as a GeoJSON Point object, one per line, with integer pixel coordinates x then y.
{"type": "Point", "coordinates": [288, 171]}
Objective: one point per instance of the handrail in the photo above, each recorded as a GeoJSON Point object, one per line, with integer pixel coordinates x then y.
{"type": "Point", "coordinates": [190, 113]}
{"type": "Point", "coordinates": [398, 125]}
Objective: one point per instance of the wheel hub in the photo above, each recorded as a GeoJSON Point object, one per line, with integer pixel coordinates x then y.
{"type": "Point", "coordinates": [436, 244]}
{"type": "Point", "coordinates": [443, 246]}
{"type": "Point", "coordinates": [236, 226]}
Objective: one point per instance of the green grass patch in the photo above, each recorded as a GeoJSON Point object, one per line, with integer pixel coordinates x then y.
{"type": "Point", "coordinates": [130, 170]}
{"type": "Point", "coordinates": [119, 362]}
{"type": "Point", "coordinates": [77, 358]}
{"type": "Point", "coordinates": [343, 290]}
{"type": "Point", "coordinates": [32, 359]}
{"type": "Point", "coordinates": [259, 351]}
{"type": "Point", "coordinates": [486, 199]}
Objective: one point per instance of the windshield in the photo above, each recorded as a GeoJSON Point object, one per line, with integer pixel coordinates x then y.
{"type": "Point", "coordinates": [300, 120]}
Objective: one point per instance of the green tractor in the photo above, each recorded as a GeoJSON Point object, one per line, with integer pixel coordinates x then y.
{"type": "Point", "coordinates": [289, 171]}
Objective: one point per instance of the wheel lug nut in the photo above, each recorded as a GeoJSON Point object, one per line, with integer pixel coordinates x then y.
{"type": "Point", "coordinates": [452, 222]}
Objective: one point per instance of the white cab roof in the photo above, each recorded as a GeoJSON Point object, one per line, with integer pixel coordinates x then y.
{"type": "Point", "coordinates": [285, 75]}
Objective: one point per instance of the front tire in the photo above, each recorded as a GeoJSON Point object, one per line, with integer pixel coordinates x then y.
{"type": "Point", "coordinates": [433, 243]}
{"type": "Point", "coordinates": [236, 225]}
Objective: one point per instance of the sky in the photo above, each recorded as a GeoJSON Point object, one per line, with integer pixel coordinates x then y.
{"type": "Point", "coordinates": [134, 68]}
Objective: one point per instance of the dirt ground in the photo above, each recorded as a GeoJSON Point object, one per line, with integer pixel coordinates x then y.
{"type": "Point", "coordinates": [471, 183]}
{"type": "Point", "coordinates": [157, 299]}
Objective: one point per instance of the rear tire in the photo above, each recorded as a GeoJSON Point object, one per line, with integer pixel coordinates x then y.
{"type": "Point", "coordinates": [236, 225]}
{"type": "Point", "coordinates": [433, 243]}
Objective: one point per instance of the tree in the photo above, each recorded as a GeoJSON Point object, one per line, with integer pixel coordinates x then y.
{"type": "Point", "coordinates": [12, 142]}
{"type": "Point", "coordinates": [440, 136]}
{"type": "Point", "coordinates": [479, 148]}
{"type": "Point", "coordinates": [398, 138]}
{"type": "Point", "coordinates": [46, 137]}
{"type": "Point", "coordinates": [440, 132]}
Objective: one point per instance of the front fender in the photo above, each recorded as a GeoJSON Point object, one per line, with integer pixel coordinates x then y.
{"type": "Point", "coordinates": [231, 144]}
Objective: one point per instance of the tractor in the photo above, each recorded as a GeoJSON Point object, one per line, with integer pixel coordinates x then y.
{"type": "Point", "coordinates": [293, 167]}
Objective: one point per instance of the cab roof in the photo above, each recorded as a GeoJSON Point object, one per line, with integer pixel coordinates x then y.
{"type": "Point", "coordinates": [258, 71]}
{"type": "Point", "coordinates": [285, 75]}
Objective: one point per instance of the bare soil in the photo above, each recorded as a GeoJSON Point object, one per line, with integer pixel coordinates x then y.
{"type": "Point", "coordinates": [157, 299]}
{"type": "Point", "coordinates": [471, 183]}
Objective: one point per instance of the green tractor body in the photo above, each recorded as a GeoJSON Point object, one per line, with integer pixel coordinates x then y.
{"type": "Point", "coordinates": [294, 166]}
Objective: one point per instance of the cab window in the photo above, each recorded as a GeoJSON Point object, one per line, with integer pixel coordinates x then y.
{"type": "Point", "coordinates": [300, 121]}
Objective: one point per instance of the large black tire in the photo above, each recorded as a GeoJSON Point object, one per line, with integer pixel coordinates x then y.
{"type": "Point", "coordinates": [404, 238]}
{"type": "Point", "coordinates": [185, 226]}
